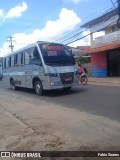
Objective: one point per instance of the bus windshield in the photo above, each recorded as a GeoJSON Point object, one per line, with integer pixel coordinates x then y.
{"type": "Point", "coordinates": [56, 55]}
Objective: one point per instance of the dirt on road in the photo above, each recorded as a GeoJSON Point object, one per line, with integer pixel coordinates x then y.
{"type": "Point", "coordinates": [27, 122]}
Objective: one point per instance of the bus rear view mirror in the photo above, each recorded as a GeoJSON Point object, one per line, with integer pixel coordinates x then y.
{"type": "Point", "coordinates": [71, 52]}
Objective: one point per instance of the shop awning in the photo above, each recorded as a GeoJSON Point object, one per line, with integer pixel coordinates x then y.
{"type": "Point", "coordinates": [102, 48]}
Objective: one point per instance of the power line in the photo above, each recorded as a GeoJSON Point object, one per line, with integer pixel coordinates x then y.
{"type": "Point", "coordinates": [113, 4]}
{"type": "Point", "coordinates": [118, 8]}
{"type": "Point", "coordinates": [98, 13]}
{"type": "Point", "coordinates": [90, 33]}
{"type": "Point", "coordinates": [67, 34]}
{"type": "Point", "coordinates": [74, 35]}
{"type": "Point", "coordinates": [70, 34]}
{"type": "Point", "coordinates": [56, 6]}
{"type": "Point", "coordinates": [61, 38]}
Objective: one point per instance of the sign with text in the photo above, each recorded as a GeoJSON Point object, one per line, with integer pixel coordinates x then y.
{"type": "Point", "coordinates": [39, 154]}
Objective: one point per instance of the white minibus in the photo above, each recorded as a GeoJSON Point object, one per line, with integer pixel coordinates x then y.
{"type": "Point", "coordinates": [41, 66]}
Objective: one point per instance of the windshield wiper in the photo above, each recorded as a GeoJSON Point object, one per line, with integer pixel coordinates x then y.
{"type": "Point", "coordinates": [59, 60]}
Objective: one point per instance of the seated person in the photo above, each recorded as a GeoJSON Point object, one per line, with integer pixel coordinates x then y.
{"type": "Point", "coordinates": [80, 69]}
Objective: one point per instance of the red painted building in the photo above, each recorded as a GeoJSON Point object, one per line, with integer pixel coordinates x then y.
{"type": "Point", "coordinates": [105, 50]}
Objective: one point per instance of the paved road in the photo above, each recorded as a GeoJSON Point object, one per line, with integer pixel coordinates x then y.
{"type": "Point", "coordinates": [97, 100]}
{"type": "Point", "coordinates": [87, 118]}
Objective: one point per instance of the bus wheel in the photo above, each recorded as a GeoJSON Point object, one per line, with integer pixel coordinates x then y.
{"type": "Point", "coordinates": [13, 84]}
{"type": "Point", "coordinates": [38, 88]}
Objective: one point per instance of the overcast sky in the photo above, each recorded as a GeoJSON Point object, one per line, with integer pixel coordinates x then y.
{"type": "Point", "coordinates": [31, 20]}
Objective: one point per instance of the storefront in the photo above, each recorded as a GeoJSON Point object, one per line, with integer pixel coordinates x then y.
{"type": "Point", "coordinates": [113, 63]}
{"type": "Point", "coordinates": [105, 60]}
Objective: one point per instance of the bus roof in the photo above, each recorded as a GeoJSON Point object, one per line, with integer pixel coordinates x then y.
{"type": "Point", "coordinates": [25, 47]}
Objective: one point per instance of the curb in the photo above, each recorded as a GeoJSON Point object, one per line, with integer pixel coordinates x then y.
{"type": "Point", "coordinates": [103, 82]}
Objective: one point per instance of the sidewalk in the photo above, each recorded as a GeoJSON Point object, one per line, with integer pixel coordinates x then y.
{"type": "Point", "coordinates": [112, 81]}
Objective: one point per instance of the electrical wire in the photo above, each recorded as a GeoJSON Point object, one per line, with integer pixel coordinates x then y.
{"type": "Point", "coordinates": [76, 35]}
{"type": "Point", "coordinates": [89, 34]}
{"type": "Point", "coordinates": [71, 37]}
{"type": "Point", "coordinates": [69, 33]}
{"type": "Point", "coordinates": [113, 4]}
{"type": "Point", "coordinates": [65, 36]}
{"type": "Point", "coordinates": [62, 39]}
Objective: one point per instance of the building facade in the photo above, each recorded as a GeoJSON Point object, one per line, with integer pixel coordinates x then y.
{"type": "Point", "coordinates": [105, 49]}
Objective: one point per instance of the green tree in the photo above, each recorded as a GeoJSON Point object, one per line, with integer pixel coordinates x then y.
{"type": "Point", "coordinates": [82, 60]}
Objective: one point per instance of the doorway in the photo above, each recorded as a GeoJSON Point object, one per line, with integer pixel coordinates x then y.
{"type": "Point", "coordinates": [113, 59]}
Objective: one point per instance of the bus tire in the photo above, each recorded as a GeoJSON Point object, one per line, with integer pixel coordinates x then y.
{"type": "Point", "coordinates": [12, 83]}
{"type": "Point", "coordinates": [38, 87]}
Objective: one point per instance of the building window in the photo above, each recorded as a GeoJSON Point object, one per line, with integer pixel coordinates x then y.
{"type": "Point", "coordinates": [27, 56]}
{"type": "Point", "coordinates": [35, 57]}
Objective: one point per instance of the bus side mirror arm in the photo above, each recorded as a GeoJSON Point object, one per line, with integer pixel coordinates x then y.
{"type": "Point", "coordinates": [70, 50]}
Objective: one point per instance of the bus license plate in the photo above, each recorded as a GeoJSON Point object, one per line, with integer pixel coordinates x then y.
{"type": "Point", "coordinates": [68, 79]}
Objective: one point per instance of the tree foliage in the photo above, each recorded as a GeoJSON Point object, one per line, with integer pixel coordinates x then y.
{"type": "Point", "coordinates": [82, 60]}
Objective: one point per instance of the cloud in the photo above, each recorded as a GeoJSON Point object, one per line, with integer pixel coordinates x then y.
{"type": "Point", "coordinates": [84, 41]}
{"type": "Point", "coordinates": [81, 42]}
{"type": "Point", "coordinates": [14, 12]}
{"type": "Point", "coordinates": [74, 1]}
{"type": "Point", "coordinates": [17, 10]}
{"type": "Point", "coordinates": [1, 13]}
{"type": "Point", "coordinates": [67, 20]}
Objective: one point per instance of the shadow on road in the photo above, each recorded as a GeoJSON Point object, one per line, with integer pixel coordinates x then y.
{"type": "Point", "coordinates": [50, 93]}
{"type": "Point", "coordinates": [103, 101]}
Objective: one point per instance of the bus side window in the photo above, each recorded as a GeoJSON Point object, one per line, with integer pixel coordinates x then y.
{"type": "Point", "coordinates": [9, 62]}
{"type": "Point", "coordinates": [22, 58]}
{"type": "Point", "coordinates": [26, 57]}
{"type": "Point", "coordinates": [5, 63]}
{"type": "Point", "coordinates": [35, 53]}
{"type": "Point", "coordinates": [12, 60]}
{"type": "Point", "coordinates": [35, 57]}
{"type": "Point", "coordinates": [15, 59]}
{"type": "Point", "coordinates": [2, 63]}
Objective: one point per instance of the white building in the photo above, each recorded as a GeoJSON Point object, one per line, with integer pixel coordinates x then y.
{"type": "Point", "coordinates": [105, 49]}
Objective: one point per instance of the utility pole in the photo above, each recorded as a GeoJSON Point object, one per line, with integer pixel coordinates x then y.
{"type": "Point", "coordinates": [118, 7]}
{"type": "Point", "coordinates": [118, 10]}
{"type": "Point", "coordinates": [10, 39]}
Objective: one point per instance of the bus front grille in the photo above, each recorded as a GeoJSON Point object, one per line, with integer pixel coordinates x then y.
{"type": "Point", "coordinates": [67, 78]}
